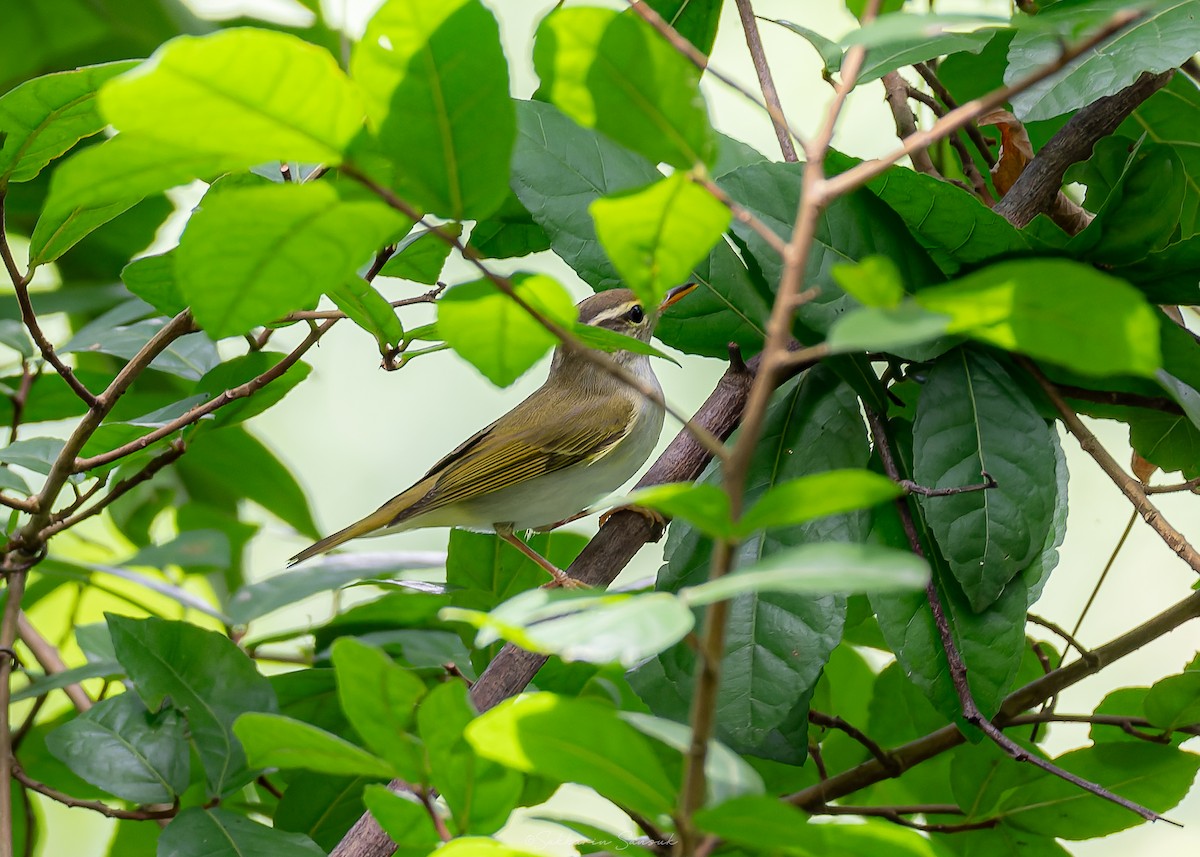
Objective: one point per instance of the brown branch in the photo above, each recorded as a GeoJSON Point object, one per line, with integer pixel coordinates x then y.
{"type": "Point", "coordinates": [939, 89]}
{"type": "Point", "coordinates": [959, 117]}
{"type": "Point", "coordinates": [895, 814]}
{"type": "Point", "coordinates": [1060, 632]}
{"type": "Point", "coordinates": [742, 215]}
{"type": "Point", "coordinates": [1190, 485]}
{"type": "Point", "coordinates": [913, 488]}
{"type": "Point", "coordinates": [765, 82]}
{"type": "Point", "coordinates": [194, 414]}
{"type": "Point", "coordinates": [1133, 490]}
{"type": "Point", "coordinates": [897, 90]}
{"type": "Point", "coordinates": [1114, 397]}
{"type": "Point", "coordinates": [94, 805]}
{"type": "Point", "coordinates": [8, 636]}
{"type": "Point", "coordinates": [1128, 725]}
{"type": "Point", "coordinates": [1038, 187]}
{"type": "Point", "coordinates": [830, 722]}
{"type": "Point", "coordinates": [46, 654]}
{"type": "Point", "coordinates": [20, 284]}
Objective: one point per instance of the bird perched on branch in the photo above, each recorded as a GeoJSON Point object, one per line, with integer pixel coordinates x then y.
{"type": "Point", "coordinates": [579, 436]}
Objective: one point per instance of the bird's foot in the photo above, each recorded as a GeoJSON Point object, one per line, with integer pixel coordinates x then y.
{"type": "Point", "coordinates": [656, 519]}
{"type": "Point", "coordinates": [564, 580]}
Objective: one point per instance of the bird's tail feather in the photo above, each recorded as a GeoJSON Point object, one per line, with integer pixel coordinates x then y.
{"type": "Point", "coordinates": [376, 520]}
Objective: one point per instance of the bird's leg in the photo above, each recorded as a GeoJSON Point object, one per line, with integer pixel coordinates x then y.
{"type": "Point", "coordinates": [656, 519]}
{"type": "Point", "coordinates": [561, 578]}
{"type": "Point", "coordinates": [564, 521]}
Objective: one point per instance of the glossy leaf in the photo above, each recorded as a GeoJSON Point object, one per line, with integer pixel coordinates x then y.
{"type": "Point", "coordinates": [128, 751]}
{"type": "Point", "coordinates": [1167, 117]}
{"type": "Point", "coordinates": [509, 231]}
{"type": "Point", "coordinates": [704, 506]}
{"type": "Point", "coordinates": [205, 676]}
{"type": "Point", "coordinates": [370, 310]}
{"type": "Point", "coordinates": [972, 418]}
{"type": "Point", "coordinates": [656, 236]}
{"type": "Point", "coordinates": [220, 93]}
{"type": "Point", "coordinates": [873, 329]}
{"type": "Point", "coordinates": [216, 832]}
{"type": "Point", "coordinates": [1164, 36]}
{"type": "Point", "coordinates": [489, 330]}
{"type": "Point", "coordinates": [421, 256]}
{"type": "Point", "coordinates": [538, 733]}
{"type": "Point", "coordinates": [250, 255]}
{"type": "Point", "coordinates": [44, 117]}
{"type": "Point", "coordinates": [274, 741]}
{"type": "Point", "coordinates": [597, 66]}
{"type": "Point", "coordinates": [434, 76]}
{"type": "Point", "coordinates": [379, 699]}
{"type": "Point", "coordinates": [152, 278]}
{"type": "Point", "coordinates": [829, 493]}
{"type": "Point", "coordinates": [1174, 701]}
{"type": "Point", "coordinates": [1089, 322]}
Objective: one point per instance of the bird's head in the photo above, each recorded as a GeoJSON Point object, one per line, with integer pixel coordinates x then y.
{"type": "Point", "coordinates": [622, 311]}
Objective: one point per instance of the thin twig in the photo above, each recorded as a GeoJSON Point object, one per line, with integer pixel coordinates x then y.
{"type": "Point", "coordinates": [1190, 485]}
{"type": "Point", "coordinates": [742, 214]}
{"type": "Point", "coordinates": [765, 82]}
{"type": "Point", "coordinates": [934, 82]}
{"type": "Point", "coordinates": [20, 284]}
{"type": "Point", "coordinates": [896, 815]}
{"type": "Point", "coordinates": [897, 90]}
{"type": "Point", "coordinates": [1133, 490]}
{"type": "Point", "coordinates": [46, 654]}
{"type": "Point", "coordinates": [1128, 725]}
{"type": "Point", "coordinates": [957, 118]}
{"type": "Point", "coordinates": [830, 722]}
{"type": "Point", "coordinates": [94, 805]}
{"type": "Point", "coordinates": [1059, 631]}
{"type": "Point", "coordinates": [913, 488]}
{"type": "Point", "coordinates": [428, 297]}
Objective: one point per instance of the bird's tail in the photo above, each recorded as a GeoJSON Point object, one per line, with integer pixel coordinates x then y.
{"type": "Point", "coordinates": [376, 520]}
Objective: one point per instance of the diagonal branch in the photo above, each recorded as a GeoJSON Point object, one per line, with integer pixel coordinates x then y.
{"type": "Point", "coordinates": [765, 81]}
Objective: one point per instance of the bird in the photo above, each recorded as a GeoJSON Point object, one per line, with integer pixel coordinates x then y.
{"type": "Point", "coordinates": [578, 437]}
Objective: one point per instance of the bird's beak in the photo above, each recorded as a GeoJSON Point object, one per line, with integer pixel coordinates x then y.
{"type": "Point", "coordinates": [676, 294]}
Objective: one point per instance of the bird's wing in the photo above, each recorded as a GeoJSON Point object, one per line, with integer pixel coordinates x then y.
{"type": "Point", "coordinates": [491, 460]}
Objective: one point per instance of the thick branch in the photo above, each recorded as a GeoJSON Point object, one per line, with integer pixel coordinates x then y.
{"type": "Point", "coordinates": [1039, 184]}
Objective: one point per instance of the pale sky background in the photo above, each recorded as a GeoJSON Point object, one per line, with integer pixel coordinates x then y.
{"type": "Point", "coordinates": [356, 435]}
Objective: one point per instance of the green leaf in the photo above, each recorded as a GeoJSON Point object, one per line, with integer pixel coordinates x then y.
{"type": "Point", "coordinates": [233, 465]}
{"type": "Point", "coordinates": [479, 846]}
{"type": "Point", "coordinates": [126, 750]}
{"type": "Point", "coordinates": [875, 281]}
{"type": "Point", "coordinates": [152, 278]}
{"type": "Point", "coordinates": [972, 417]}
{"type": "Point", "coordinates": [1168, 116]}
{"type": "Point", "coordinates": [897, 40]}
{"type": "Point", "coordinates": [66, 220]}
{"type": "Point", "coordinates": [259, 599]}
{"type": "Point", "coordinates": [762, 705]}
{"type": "Point", "coordinates": [192, 549]}
{"type": "Point", "coordinates": [1174, 701]}
{"type": "Point", "coordinates": [1162, 38]}
{"type": "Point", "coordinates": [404, 819]}
{"type": "Point", "coordinates": [695, 20]}
{"type": "Point", "coordinates": [241, 369]}
{"type": "Point", "coordinates": [44, 117]}
{"type": "Point", "coordinates": [1089, 321]}
{"type": "Point", "coordinates": [817, 570]}
{"type": "Point", "coordinates": [379, 699]}
{"type": "Point", "coordinates": [829, 493]}
{"type": "Point", "coordinates": [370, 310]}
{"type": "Point", "coordinates": [655, 236]}
{"type": "Point", "coordinates": [509, 231]}
{"type": "Point", "coordinates": [12, 334]}
{"type": "Point", "coordinates": [481, 794]}
{"type": "Point", "coordinates": [499, 338]}
{"type": "Point", "coordinates": [123, 332]}
{"type": "Point", "coordinates": [250, 255]}
{"type": "Point", "coordinates": [760, 822]}
{"type": "Point", "coordinates": [829, 50]}
{"type": "Point", "coordinates": [274, 741]}
{"type": "Point", "coordinates": [216, 832]}
{"type": "Point", "coordinates": [614, 73]}
{"type": "Point", "coordinates": [704, 506]}
{"type": "Point", "coordinates": [874, 329]}
{"type": "Point", "coordinates": [36, 453]}
{"type": "Point", "coordinates": [621, 628]}
{"type": "Point", "coordinates": [436, 83]}
{"type": "Point", "coordinates": [421, 256]}
{"type": "Point", "coordinates": [205, 675]}
{"type": "Point", "coordinates": [321, 807]}
{"type": "Point", "coordinates": [221, 94]}
{"type": "Point", "coordinates": [539, 734]}
{"type": "Point", "coordinates": [1155, 776]}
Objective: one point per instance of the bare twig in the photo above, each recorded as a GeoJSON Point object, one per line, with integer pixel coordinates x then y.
{"type": "Point", "coordinates": [765, 82]}
{"type": "Point", "coordinates": [896, 815]}
{"type": "Point", "coordinates": [1190, 485]}
{"type": "Point", "coordinates": [830, 722]}
{"type": "Point", "coordinates": [94, 805]}
{"type": "Point", "coordinates": [913, 488]}
{"type": "Point", "coordinates": [20, 284]}
{"type": "Point", "coordinates": [1059, 631]}
{"type": "Point", "coordinates": [976, 136]}
{"type": "Point", "coordinates": [906, 123]}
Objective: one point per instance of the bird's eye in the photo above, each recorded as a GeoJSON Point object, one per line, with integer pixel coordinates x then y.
{"type": "Point", "coordinates": [636, 314]}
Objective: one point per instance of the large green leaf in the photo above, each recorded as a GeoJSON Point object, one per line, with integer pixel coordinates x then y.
{"type": "Point", "coordinates": [1172, 116]}
{"type": "Point", "coordinates": [44, 117]}
{"type": "Point", "coordinates": [205, 675]}
{"type": "Point", "coordinates": [971, 418]}
{"type": "Point", "coordinates": [852, 228]}
{"type": "Point", "coordinates": [379, 699]}
{"type": "Point", "coordinates": [480, 793]}
{"type": "Point", "coordinates": [539, 734]}
{"type": "Point", "coordinates": [216, 832]}
{"type": "Point", "coordinates": [1154, 776]}
{"type": "Point", "coordinates": [126, 750]}
{"type": "Point", "coordinates": [420, 257]}
{"type": "Point", "coordinates": [1163, 37]}
{"type": "Point", "coordinates": [221, 93]}
{"type": "Point", "coordinates": [250, 255]}
{"type": "Point", "coordinates": [615, 73]}
{"type": "Point", "coordinates": [488, 329]}
{"type": "Point", "coordinates": [437, 90]}
{"type": "Point", "coordinates": [1090, 322]}
{"type": "Point", "coordinates": [321, 807]}
{"type": "Point", "coordinates": [656, 236]}
{"type": "Point", "coordinates": [777, 642]}
{"type": "Point", "coordinates": [275, 741]}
